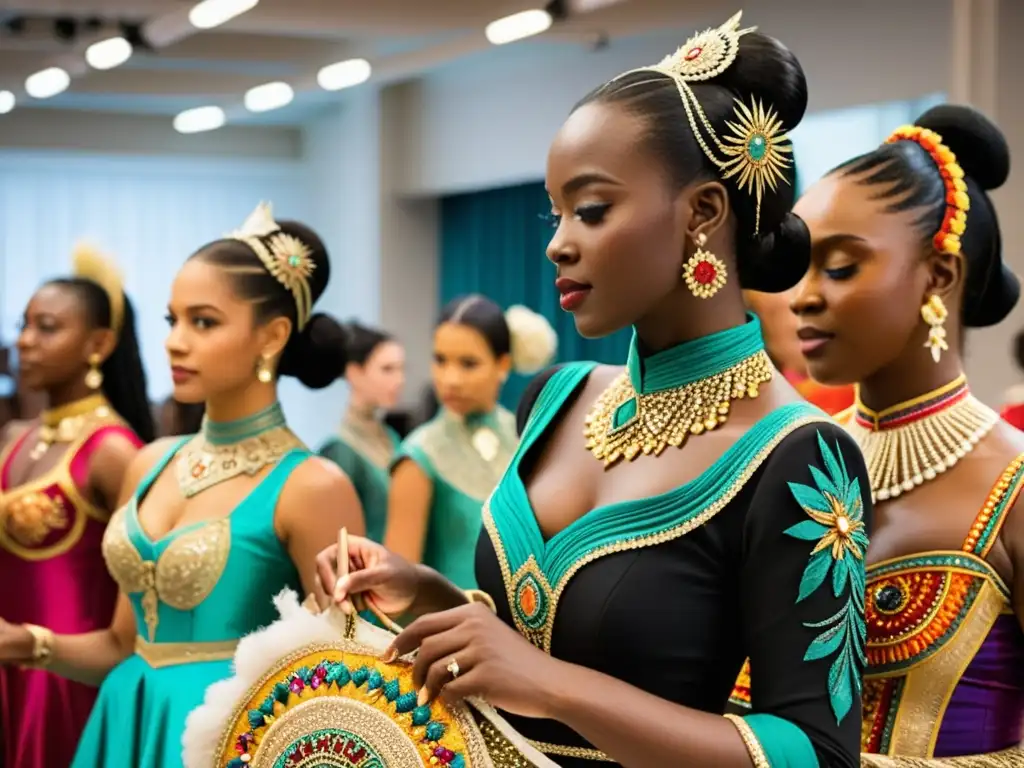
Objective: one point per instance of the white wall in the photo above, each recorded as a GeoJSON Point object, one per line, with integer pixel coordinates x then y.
{"type": "Point", "coordinates": [489, 120]}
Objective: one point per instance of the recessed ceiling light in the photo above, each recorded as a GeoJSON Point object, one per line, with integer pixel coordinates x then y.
{"type": "Point", "coordinates": [6, 102]}
{"type": "Point", "coordinates": [517, 26]}
{"type": "Point", "coordinates": [109, 53]}
{"type": "Point", "coordinates": [46, 83]}
{"type": "Point", "coordinates": [344, 74]}
{"type": "Point", "coordinates": [199, 119]}
{"type": "Point", "coordinates": [268, 96]}
{"type": "Point", "coordinates": [212, 13]}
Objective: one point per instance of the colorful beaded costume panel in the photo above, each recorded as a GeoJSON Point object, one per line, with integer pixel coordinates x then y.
{"type": "Point", "coordinates": [945, 654]}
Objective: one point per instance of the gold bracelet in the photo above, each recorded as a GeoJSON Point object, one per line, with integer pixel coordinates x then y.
{"type": "Point", "coordinates": [479, 596]}
{"type": "Point", "coordinates": [42, 646]}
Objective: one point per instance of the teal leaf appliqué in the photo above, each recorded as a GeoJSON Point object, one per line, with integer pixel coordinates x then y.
{"type": "Point", "coordinates": [836, 510]}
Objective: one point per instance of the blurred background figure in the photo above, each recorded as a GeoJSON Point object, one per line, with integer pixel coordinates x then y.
{"type": "Point", "coordinates": [365, 444]}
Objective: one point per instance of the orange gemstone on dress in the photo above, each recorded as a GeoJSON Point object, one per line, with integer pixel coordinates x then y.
{"type": "Point", "coordinates": [198, 470]}
{"type": "Point", "coordinates": [528, 599]}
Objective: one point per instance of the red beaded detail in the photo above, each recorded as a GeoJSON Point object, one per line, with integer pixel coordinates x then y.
{"type": "Point", "coordinates": [931, 603]}
{"type": "Point", "coordinates": [693, 53]}
{"type": "Point", "coordinates": [741, 692]}
{"type": "Point", "coordinates": [705, 273]}
{"type": "Point", "coordinates": [878, 699]}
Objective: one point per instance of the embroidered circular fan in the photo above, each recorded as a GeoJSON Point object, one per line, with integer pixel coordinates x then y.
{"type": "Point", "coordinates": [311, 691]}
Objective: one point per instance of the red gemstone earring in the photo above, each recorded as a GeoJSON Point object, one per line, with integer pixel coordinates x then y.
{"type": "Point", "coordinates": [704, 273]}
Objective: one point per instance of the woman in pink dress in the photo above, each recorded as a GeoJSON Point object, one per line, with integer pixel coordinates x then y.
{"type": "Point", "coordinates": [60, 477]}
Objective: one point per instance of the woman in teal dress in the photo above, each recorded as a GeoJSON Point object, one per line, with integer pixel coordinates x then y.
{"type": "Point", "coordinates": [445, 468]}
{"type": "Point", "coordinates": [663, 520]}
{"type": "Point", "coordinates": [365, 446]}
{"type": "Point", "coordinates": [213, 525]}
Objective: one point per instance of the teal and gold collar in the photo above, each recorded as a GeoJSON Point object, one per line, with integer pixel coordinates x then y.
{"type": "Point", "coordinates": [693, 360]}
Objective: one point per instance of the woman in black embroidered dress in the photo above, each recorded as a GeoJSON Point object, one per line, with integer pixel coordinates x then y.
{"type": "Point", "coordinates": [636, 595]}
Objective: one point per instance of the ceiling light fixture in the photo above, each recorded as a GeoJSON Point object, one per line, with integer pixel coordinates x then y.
{"type": "Point", "coordinates": [518, 26]}
{"type": "Point", "coordinates": [268, 96]}
{"type": "Point", "coordinates": [46, 83]}
{"type": "Point", "coordinates": [199, 119]}
{"type": "Point", "coordinates": [344, 74]}
{"type": "Point", "coordinates": [109, 53]}
{"type": "Point", "coordinates": [6, 102]}
{"type": "Point", "coordinates": [212, 13]}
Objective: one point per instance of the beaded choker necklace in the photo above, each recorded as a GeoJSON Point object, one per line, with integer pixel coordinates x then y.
{"type": "Point", "coordinates": [686, 390]}
{"type": "Point", "coordinates": [65, 423]}
{"type": "Point", "coordinates": [227, 449]}
{"type": "Point", "coordinates": [915, 441]}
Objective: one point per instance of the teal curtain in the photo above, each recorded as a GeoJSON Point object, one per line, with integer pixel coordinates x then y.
{"type": "Point", "coordinates": [493, 242]}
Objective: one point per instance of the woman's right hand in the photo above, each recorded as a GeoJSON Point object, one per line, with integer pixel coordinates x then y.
{"type": "Point", "coordinates": [16, 643]}
{"type": "Point", "coordinates": [387, 579]}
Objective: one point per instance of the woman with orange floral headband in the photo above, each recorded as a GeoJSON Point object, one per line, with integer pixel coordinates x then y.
{"type": "Point", "coordinates": [906, 253]}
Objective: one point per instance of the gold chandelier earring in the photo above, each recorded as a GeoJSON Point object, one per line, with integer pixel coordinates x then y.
{"type": "Point", "coordinates": [94, 376]}
{"type": "Point", "coordinates": [934, 313]}
{"type": "Point", "coordinates": [263, 370]}
{"type": "Point", "coordinates": [704, 272]}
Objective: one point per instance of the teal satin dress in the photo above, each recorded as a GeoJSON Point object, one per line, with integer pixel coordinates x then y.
{"type": "Point", "coordinates": [464, 459]}
{"type": "Point", "coordinates": [195, 592]}
{"type": "Point", "coordinates": [364, 451]}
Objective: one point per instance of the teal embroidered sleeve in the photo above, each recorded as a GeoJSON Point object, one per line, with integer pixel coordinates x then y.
{"type": "Point", "coordinates": [802, 596]}
{"type": "Point", "coordinates": [836, 526]}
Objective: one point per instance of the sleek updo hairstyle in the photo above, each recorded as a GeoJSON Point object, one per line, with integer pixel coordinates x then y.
{"type": "Point", "coordinates": [314, 355]}
{"type": "Point", "coordinates": [484, 316]}
{"type": "Point", "coordinates": [907, 176]}
{"type": "Point", "coordinates": [361, 341]}
{"type": "Point", "coordinates": [124, 377]}
{"type": "Point", "coordinates": [764, 70]}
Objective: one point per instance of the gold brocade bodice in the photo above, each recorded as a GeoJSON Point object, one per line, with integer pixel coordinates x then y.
{"type": "Point", "coordinates": [184, 573]}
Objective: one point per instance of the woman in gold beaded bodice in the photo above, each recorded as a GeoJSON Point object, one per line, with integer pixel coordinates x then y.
{"type": "Point", "coordinates": [906, 253]}
{"type": "Point", "coordinates": [213, 526]}
{"type": "Point", "coordinates": [60, 476]}
{"type": "Point", "coordinates": [627, 591]}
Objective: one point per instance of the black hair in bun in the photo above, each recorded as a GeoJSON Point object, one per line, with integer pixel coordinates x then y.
{"type": "Point", "coordinates": [908, 176]}
{"type": "Point", "coordinates": [361, 341]}
{"type": "Point", "coordinates": [316, 354]}
{"type": "Point", "coordinates": [764, 70]}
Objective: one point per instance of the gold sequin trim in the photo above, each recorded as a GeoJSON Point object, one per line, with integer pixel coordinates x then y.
{"type": "Point", "coordinates": [754, 748]}
{"type": "Point", "coordinates": [159, 655]}
{"type": "Point", "coordinates": [580, 753]}
{"type": "Point", "coordinates": [641, 542]}
{"type": "Point", "coordinates": [1009, 758]}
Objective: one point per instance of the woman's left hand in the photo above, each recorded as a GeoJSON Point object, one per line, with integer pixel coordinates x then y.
{"type": "Point", "coordinates": [493, 661]}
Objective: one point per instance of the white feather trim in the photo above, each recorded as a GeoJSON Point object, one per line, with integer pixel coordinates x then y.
{"type": "Point", "coordinates": [296, 628]}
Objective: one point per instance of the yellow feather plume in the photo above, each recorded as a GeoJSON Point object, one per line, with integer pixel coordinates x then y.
{"type": "Point", "coordinates": [89, 263]}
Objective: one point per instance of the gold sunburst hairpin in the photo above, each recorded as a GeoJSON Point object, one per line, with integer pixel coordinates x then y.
{"type": "Point", "coordinates": [285, 256]}
{"type": "Point", "coordinates": [89, 264]}
{"type": "Point", "coordinates": [755, 146]}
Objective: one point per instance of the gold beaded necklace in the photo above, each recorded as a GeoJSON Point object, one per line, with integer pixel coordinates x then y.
{"type": "Point", "coordinates": [686, 390]}
{"type": "Point", "coordinates": [915, 441]}
{"type": "Point", "coordinates": [64, 423]}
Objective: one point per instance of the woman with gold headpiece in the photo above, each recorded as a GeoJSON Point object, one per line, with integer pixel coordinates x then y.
{"type": "Point", "coordinates": [60, 478]}
{"type": "Point", "coordinates": [662, 521]}
{"type": "Point", "coordinates": [446, 468]}
{"type": "Point", "coordinates": [213, 525]}
{"type": "Point", "coordinates": [906, 254]}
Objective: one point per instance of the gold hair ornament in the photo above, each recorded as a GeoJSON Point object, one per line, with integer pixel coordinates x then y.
{"type": "Point", "coordinates": [88, 263]}
{"type": "Point", "coordinates": [756, 147]}
{"type": "Point", "coordinates": [287, 258]}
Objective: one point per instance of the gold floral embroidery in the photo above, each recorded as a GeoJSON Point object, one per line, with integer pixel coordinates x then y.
{"type": "Point", "coordinates": [32, 517]}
